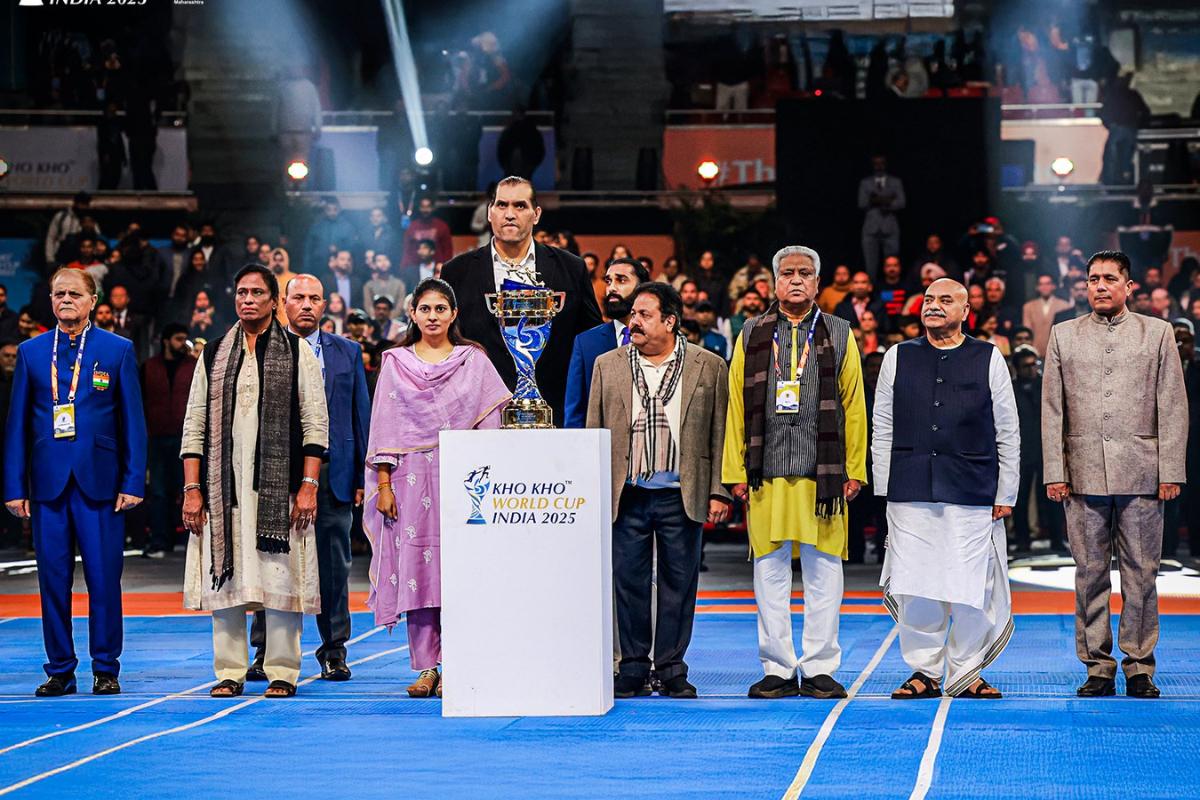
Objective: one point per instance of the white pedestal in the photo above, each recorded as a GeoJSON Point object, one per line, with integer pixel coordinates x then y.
{"type": "Point", "coordinates": [527, 603]}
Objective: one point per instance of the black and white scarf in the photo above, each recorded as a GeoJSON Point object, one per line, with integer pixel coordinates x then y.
{"type": "Point", "coordinates": [652, 448]}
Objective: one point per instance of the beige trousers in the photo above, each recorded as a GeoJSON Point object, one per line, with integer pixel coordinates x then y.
{"type": "Point", "coordinates": [231, 655]}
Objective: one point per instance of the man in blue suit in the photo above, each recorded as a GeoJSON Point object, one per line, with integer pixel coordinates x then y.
{"type": "Point", "coordinates": [621, 278]}
{"type": "Point", "coordinates": [74, 459]}
{"type": "Point", "coordinates": [341, 478]}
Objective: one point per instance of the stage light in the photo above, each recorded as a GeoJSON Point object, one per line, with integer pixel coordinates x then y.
{"type": "Point", "coordinates": [818, 93]}
{"type": "Point", "coordinates": [1062, 166]}
{"type": "Point", "coordinates": [423, 156]}
{"type": "Point", "coordinates": [708, 171]}
{"type": "Point", "coordinates": [3, 168]}
{"type": "Point", "coordinates": [297, 170]}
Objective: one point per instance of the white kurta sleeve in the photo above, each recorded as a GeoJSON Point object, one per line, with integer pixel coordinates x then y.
{"type": "Point", "coordinates": [1008, 430]}
{"type": "Point", "coordinates": [314, 416]}
{"type": "Point", "coordinates": [195, 419]}
{"type": "Point", "coordinates": [881, 421]}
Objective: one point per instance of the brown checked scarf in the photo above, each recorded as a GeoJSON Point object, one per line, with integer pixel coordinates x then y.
{"type": "Point", "coordinates": [831, 446]}
{"type": "Point", "coordinates": [651, 447]}
{"type": "Point", "coordinates": [274, 424]}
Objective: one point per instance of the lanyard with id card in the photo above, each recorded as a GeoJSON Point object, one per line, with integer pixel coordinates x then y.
{"type": "Point", "coordinates": [63, 415]}
{"type": "Point", "coordinates": [787, 392]}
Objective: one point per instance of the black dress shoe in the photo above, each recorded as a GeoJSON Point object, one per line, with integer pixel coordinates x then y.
{"type": "Point", "coordinates": [773, 686]}
{"type": "Point", "coordinates": [1141, 686]}
{"type": "Point", "coordinates": [105, 683]}
{"type": "Point", "coordinates": [1095, 686]}
{"type": "Point", "coordinates": [822, 687]}
{"type": "Point", "coordinates": [334, 669]}
{"type": "Point", "coordinates": [256, 672]}
{"type": "Point", "coordinates": [626, 686]}
{"type": "Point", "coordinates": [677, 687]}
{"type": "Point", "coordinates": [57, 686]}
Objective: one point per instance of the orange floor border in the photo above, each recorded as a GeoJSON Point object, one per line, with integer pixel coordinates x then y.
{"type": "Point", "coordinates": [152, 604]}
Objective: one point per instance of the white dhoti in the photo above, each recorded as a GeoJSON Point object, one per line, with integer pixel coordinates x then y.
{"type": "Point", "coordinates": [820, 652]}
{"type": "Point", "coordinates": [945, 582]}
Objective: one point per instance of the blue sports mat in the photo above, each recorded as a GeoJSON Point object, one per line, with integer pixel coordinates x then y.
{"type": "Point", "coordinates": [366, 739]}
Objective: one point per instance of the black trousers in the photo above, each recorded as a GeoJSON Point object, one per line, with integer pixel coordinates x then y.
{"type": "Point", "coordinates": [1050, 514]}
{"type": "Point", "coordinates": [648, 517]}
{"type": "Point", "coordinates": [333, 569]}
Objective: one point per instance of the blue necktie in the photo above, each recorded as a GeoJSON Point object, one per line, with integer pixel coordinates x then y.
{"type": "Point", "coordinates": [625, 336]}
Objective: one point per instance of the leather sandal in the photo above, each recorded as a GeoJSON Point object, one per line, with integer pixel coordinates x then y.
{"type": "Point", "coordinates": [980, 692]}
{"type": "Point", "coordinates": [227, 688]}
{"type": "Point", "coordinates": [426, 684]}
{"type": "Point", "coordinates": [280, 689]}
{"type": "Point", "coordinates": [908, 690]}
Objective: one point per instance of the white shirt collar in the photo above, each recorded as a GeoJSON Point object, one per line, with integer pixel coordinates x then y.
{"type": "Point", "coordinates": [313, 339]}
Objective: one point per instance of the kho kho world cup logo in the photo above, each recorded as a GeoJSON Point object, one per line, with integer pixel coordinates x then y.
{"type": "Point", "coordinates": [477, 484]}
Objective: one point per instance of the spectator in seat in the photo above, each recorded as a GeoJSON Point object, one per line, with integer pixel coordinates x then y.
{"type": "Point", "coordinates": [833, 294]}
{"type": "Point", "coordinates": [1039, 312]}
{"type": "Point", "coordinates": [861, 298]}
{"type": "Point", "coordinates": [329, 234]}
{"type": "Point", "coordinates": [425, 225]}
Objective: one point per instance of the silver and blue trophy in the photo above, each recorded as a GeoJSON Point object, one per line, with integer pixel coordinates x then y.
{"type": "Point", "coordinates": [525, 312]}
{"type": "Point", "coordinates": [477, 485]}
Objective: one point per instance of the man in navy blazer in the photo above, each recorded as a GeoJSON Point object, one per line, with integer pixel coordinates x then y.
{"type": "Point", "coordinates": [512, 213]}
{"type": "Point", "coordinates": [341, 479]}
{"type": "Point", "coordinates": [621, 278]}
{"type": "Point", "coordinates": [74, 459]}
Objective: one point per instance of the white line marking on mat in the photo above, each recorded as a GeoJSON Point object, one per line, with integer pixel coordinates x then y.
{"type": "Point", "coordinates": [814, 749]}
{"type": "Point", "coordinates": [149, 704]}
{"type": "Point", "coordinates": [925, 773]}
{"type": "Point", "coordinates": [225, 712]}
{"type": "Point", "coordinates": [10, 619]}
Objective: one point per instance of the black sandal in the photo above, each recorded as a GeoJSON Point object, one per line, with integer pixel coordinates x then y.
{"type": "Point", "coordinates": [226, 688]}
{"type": "Point", "coordinates": [978, 692]}
{"type": "Point", "coordinates": [289, 690]}
{"type": "Point", "coordinates": [931, 688]}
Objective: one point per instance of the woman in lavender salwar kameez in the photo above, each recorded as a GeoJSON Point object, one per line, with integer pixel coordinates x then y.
{"type": "Point", "coordinates": [434, 381]}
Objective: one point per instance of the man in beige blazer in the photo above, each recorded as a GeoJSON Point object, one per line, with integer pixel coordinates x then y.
{"type": "Point", "coordinates": [664, 401]}
{"type": "Point", "coordinates": [1114, 441]}
{"type": "Point", "coordinates": [1038, 314]}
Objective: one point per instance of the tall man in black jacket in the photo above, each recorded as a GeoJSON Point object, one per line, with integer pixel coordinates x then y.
{"type": "Point", "coordinates": [513, 212]}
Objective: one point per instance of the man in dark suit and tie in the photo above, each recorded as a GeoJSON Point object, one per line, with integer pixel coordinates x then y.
{"type": "Point", "coordinates": [881, 195]}
{"type": "Point", "coordinates": [512, 254]}
{"type": "Point", "coordinates": [74, 459]}
{"type": "Point", "coordinates": [341, 479]}
{"type": "Point", "coordinates": [622, 278]}
{"type": "Point", "coordinates": [127, 324]}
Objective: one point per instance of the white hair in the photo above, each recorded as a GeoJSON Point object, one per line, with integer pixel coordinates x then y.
{"type": "Point", "coordinates": [796, 250]}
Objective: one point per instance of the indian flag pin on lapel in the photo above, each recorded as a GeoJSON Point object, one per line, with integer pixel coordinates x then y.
{"type": "Point", "coordinates": [100, 380]}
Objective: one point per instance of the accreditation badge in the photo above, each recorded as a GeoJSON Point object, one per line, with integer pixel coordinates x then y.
{"type": "Point", "coordinates": [64, 421]}
{"type": "Point", "coordinates": [787, 397]}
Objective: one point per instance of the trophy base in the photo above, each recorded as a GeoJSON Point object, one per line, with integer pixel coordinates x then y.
{"type": "Point", "coordinates": [527, 415]}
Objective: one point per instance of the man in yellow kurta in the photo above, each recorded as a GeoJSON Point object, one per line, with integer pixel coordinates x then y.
{"type": "Point", "coordinates": [796, 451]}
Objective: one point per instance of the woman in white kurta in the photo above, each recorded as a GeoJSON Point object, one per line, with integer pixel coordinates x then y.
{"type": "Point", "coordinates": [285, 584]}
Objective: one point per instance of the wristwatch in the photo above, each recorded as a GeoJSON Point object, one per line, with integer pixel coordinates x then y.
{"type": "Point", "coordinates": [313, 481]}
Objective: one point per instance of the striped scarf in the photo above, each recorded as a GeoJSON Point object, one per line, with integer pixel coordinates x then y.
{"type": "Point", "coordinates": [831, 447]}
{"type": "Point", "coordinates": [274, 425]}
{"type": "Point", "coordinates": [652, 448]}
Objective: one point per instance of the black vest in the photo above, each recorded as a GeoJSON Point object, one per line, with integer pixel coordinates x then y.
{"type": "Point", "coordinates": [944, 435]}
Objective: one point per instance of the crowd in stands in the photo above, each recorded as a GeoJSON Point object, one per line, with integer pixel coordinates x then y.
{"type": "Point", "coordinates": [1017, 290]}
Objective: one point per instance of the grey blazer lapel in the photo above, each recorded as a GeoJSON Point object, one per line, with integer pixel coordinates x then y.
{"type": "Point", "coordinates": [623, 386]}
{"type": "Point", "coordinates": [691, 380]}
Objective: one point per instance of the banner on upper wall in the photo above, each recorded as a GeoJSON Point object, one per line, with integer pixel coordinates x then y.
{"type": "Point", "coordinates": [65, 159]}
{"type": "Point", "coordinates": [17, 271]}
{"type": "Point", "coordinates": [744, 153]}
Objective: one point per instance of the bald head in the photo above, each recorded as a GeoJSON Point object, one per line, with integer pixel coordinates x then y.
{"type": "Point", "coordinates": [945, 308]}
{"type": "Point", "coordinates": [304, 303]}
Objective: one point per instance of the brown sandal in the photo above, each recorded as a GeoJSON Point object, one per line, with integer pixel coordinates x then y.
{"type": "Point", "coordinates": [426, 684]}
{"type": "Point", "coordinates": [277, 689]}
{"type": "Point", "coordinates": [227, 688]}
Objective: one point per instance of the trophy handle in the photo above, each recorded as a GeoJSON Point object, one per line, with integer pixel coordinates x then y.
{"type": "Point", "coordinates": [560, 298]}
{"type": "Point", "coordinates": [490, 300]}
